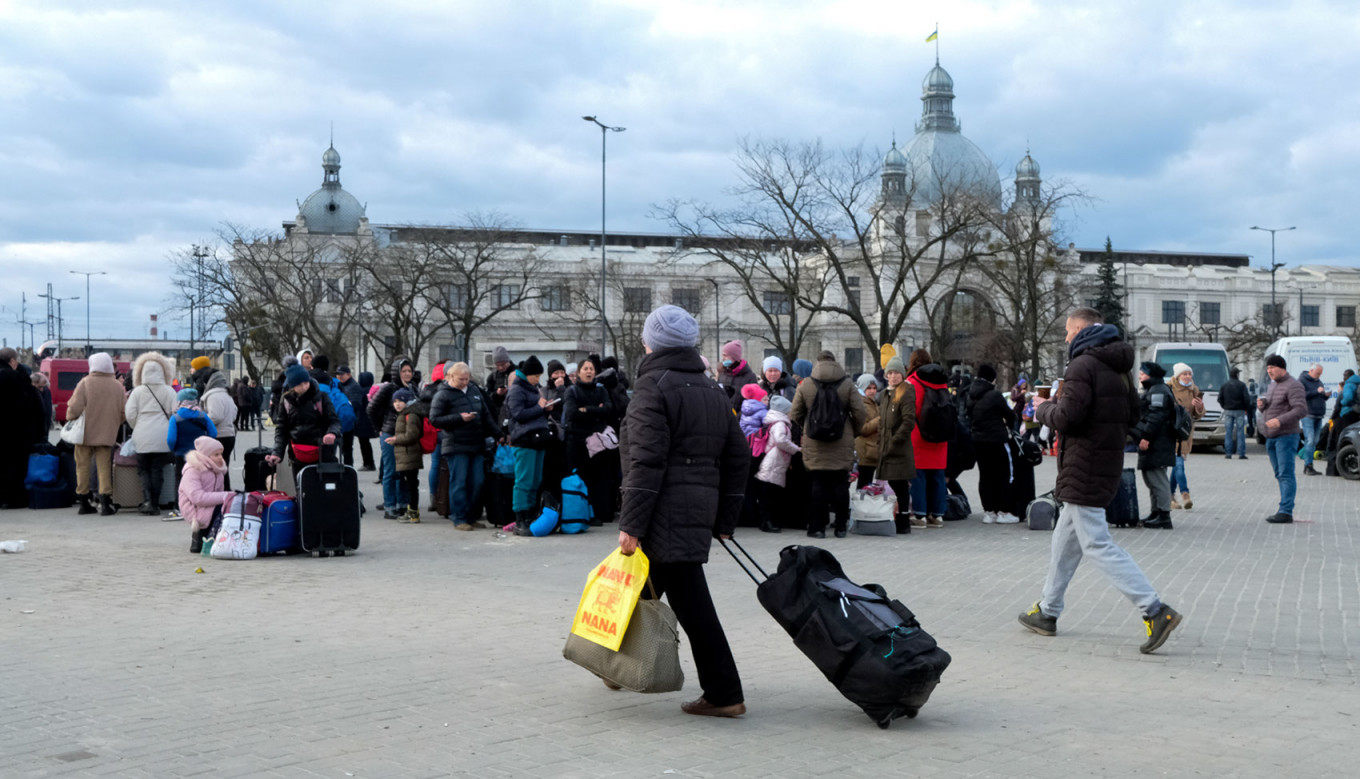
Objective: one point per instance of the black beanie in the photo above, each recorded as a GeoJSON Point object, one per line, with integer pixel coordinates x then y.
{"type": "Point", "coordinates": [321, 363]}
{"type": "Point", "coordinates": [986, 372]}
{"type": "Point", "coordinates": [1277, 361]}
{"type": "Point", "coordinates": [531, 367]}
{"type": "Point", "coordinates": [1153, 370]}
{"type": "Point", "coordinates": [554, 366]}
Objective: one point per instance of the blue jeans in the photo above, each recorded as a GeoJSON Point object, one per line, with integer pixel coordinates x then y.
{"type": "Point", "coordinates": [1178, 480]}
{"type": "Point", "coordinates": [528, 477]}
{"type": "Point", "coordinates": [434, 466]}
{"type": "Point", "coordinates": [1311, 426]}
{"type": "Point", "coordinates": [928, 492]}
{"type": "Point", "coordinates": [1235, 439]}
{"type": "Point", "coordinates": [387, 469]}
{"type": "Point", "coordinates": [466, 472]}
{"type": "Point", "coordinates": [1282, 451]}
{"type": "Point", "coordinates": [1082, 531]}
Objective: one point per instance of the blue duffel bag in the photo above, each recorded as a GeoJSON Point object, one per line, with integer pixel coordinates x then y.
{"type": "Point", "coordinates": [576, 511]}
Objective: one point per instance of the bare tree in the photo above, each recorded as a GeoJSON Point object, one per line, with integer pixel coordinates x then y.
{"type": "Point", "coordinates": [813, 227]}
{"type": "Point", "coordinates": [402, 304]}
{"type": "Point", "coordinates": [1035, 283]}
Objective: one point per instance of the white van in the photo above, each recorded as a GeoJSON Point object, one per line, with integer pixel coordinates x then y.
{"type": "Point", "coordinates": [1335, 353]}
{"type": "Point", "coordinates": [1209, 361]}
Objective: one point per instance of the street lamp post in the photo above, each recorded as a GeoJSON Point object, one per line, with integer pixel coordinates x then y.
{"type": "Point", "coordinates": [717, 314]}
{"type": "Point", "coordinates": [87, 275]}
{"type": "Point", "coordinates": [1274, 266]}
{"type": "Point", "coordinates": [604, 320]}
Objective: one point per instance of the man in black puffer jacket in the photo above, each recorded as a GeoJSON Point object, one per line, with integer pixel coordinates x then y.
{"type": "Point", "coordinates": [1156, 442]}
{"type": "Point", "coordinates": [1236, 403]}
{"type": "Point", "coordinates": [684, 480]}
{"type": "Point", "coordinates": [1092, 415]}
{"type": "Point", "coordinates": [461, 410]}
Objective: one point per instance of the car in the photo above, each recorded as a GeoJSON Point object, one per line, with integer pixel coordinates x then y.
{"type": "Point", "coordinates": [1348, 453]}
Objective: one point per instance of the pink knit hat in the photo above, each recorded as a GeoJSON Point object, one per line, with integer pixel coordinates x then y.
{"type": "Point", "coordinates": [207, 445]}
{"type": "Point", "coordinates": [753, 392]}
{"type": "Point", "coordinates": [732, 349]}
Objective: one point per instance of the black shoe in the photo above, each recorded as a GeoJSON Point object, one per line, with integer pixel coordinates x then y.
{"type": "Point", "coordinates": [524, 521]}
{"type": "Point", "coordinates": [840, 534]}
{"type": "Point", "coordinates": [1241, 457]}
{"type": "Point", "coordinates": [1308, 470]}
{"type": "Point", "coordinates": [1280, 519]}
{"type": "Point", "coordinates": [1039, 622]}
{"type": "Point", "coordinates": [1159, 521]}
{"type": "Point", "coordinates": [106, 507]}
{"type": "Point", "coordinates": [1159, 628]}
{"type": "Point", "coordinates": [816, 534]}
{"type": "Point", "coordinates": [148, 508]}
{"type": "Point", "coordinates": [196, 542]}
{"type": "Point", "coordinates": [1227, 457]}
{"type": "Point", "coordinates": [86, 504]}
{"type": "Point", "coordinates": [393, 514]}
{"type": "Point", "coordinates": [766, 527]}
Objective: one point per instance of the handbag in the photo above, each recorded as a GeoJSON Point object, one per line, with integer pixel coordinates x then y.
{"type": "Point", "coordinates": [126, 454]}
{"type": "Point", "coordinates": [648, 660]}
{"type": "Point", "coordinates": [73, 432]}
{"type": "Point", "coordinates": [237, 539]}
{"type": "Point", "coordinates": [307, 454]}
{"type": "Point", "coordinates": [1029, 451]}
{"type": "Point", "coordinates": [602, 441]}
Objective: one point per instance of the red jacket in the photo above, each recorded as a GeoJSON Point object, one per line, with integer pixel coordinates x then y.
{"type": "Point", "coordinates": [928, 455]}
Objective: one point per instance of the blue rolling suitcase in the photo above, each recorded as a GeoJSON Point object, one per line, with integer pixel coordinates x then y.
{"type": "Point", "coordinates": [278, 524]}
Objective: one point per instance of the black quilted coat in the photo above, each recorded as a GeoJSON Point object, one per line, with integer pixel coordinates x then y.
{"type": "Point", "coordinates": [1092, 415]}
{"type": "Point", "coordinates": [685, 460]}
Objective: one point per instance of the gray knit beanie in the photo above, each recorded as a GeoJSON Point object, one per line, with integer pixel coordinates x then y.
{"type": "Point", "coordinates": [668, 327]}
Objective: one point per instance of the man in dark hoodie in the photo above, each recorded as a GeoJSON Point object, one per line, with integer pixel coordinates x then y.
{"type": "Point", "coordinates": [1092, 415]}
{"type": "Point", "coordinates": [1235, 401]}
{"type": "Point", "coordinates": [384, 419]}
{"type": "Point", "coordinates": [498, 382]}
{"type": "Point", "coordinates": [1156, 442]}
{"type": "Point", "coordinates": [358, 399]}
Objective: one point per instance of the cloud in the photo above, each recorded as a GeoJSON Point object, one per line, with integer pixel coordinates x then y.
{"type": "Point", "coordinates": [132, 129]}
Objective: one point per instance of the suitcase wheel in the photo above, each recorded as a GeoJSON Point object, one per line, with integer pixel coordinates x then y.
{"type": "Point", "coordinates": [339, 553]}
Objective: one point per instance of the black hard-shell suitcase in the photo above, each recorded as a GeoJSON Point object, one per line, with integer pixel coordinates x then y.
{"type": "Point", "coordinates": [255, 470]}
{"type": "Point", "coordinates": [328, 506]}
{"type": "Point", "coordinates": [871, 647]}
{"type": "Point", "coordinates": [441, 489]}
{"type": "Point", "coordinates": [1123, 510]}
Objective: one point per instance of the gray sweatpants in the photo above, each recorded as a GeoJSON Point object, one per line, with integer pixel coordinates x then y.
{"type": "Point", "coordinates": [1158, 482]}
{"type": "Point", "coordinates": [1082, 531]}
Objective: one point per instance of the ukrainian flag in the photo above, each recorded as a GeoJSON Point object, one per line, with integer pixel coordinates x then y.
{"type": "Point", "coordinates": [933, 35]}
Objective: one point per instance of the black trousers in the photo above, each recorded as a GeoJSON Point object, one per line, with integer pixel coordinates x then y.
{"type": "Point", "coordinates": [347, 448]}
{"type": "Point", "coordinates": [366, 450]}
{"type": "Point", "coordinates": [686, 591]}
{"type": "Point", "coordinates": [228, 446]}
{"type": "Point", "coordinates": [994, 476]}
{"type": "Point", "coordinates": [866, 476]}
{"type": "Point", "coordinates": [409, 482]}
{"type": "Point", "coordinates": [830, 493]}
{"type": "Point", "coordinates": [151, 468]}
{"type": "Point", "coordinates": [774, 502]}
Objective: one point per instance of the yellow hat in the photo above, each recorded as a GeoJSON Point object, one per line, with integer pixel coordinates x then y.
{"type": "Point", "coordinates": [200, 362]}
{"type": "Point", "coordinates": [886, 352]}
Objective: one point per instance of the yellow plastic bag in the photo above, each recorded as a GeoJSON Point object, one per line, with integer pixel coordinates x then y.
{"type": "Point", "coordinates": [611, 593]}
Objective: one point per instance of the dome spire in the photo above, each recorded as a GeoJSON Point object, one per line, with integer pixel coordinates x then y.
{"type": "Point", "coordinates": [330, 165]}
{"type": "Point", "coordinates": [937, 102]}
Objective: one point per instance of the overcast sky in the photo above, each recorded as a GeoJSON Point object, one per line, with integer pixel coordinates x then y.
{"type": "Point", "coordinates": [129, 130]}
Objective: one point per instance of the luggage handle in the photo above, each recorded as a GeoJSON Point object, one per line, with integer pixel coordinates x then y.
{"type": "Point", "coordinates": [724, 541]}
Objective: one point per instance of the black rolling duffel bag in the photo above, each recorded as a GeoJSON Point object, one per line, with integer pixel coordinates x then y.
{"type": "Point", "coordinates": [868, 645]}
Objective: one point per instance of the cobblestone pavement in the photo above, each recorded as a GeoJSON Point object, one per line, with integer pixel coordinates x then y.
{"type": "Point", "coordinates": [435, 653]}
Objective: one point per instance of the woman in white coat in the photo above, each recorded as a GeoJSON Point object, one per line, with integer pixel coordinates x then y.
{"type": "Point", "coordinates": [218, 404]}
{"type": "Point", "coordinates": [148, 410]}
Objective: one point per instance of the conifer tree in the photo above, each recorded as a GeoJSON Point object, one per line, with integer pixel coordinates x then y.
{"type": "Point", "coordinates": [1109, 297]}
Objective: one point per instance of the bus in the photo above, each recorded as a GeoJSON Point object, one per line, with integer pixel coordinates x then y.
{"type": "Point", "coordinates": [1209, 361]}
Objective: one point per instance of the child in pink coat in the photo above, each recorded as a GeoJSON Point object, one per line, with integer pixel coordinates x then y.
{"type": "Point", "coordinates": [200, 489]}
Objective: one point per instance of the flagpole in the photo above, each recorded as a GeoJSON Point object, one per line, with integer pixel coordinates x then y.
{"type": "Point", "coordinates": [937, 43]}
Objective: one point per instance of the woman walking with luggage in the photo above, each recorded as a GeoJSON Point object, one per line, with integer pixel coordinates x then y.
{"type": "Point", "coordinates": [589, 411]}
{"type": "Point", "coordinates": [148, 410]}
{"type": "Point", "coordinates": [992, 423]}
{"type": "Point", "coordinates": [929, 494]}
{"type": "Point", "coordinates": [897, 420]}
{"type": "Point", "coordinates": [684, 462]}
{"type": "Point", "coordinates": [529, 434]}
{"type": "Point", "coordinates": [201, 490]}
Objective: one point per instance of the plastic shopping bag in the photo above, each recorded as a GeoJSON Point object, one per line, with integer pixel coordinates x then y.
{"type": "Point", "coordinates": [611, 593]}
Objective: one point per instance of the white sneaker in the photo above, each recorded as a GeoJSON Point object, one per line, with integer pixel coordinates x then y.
{"type": "Point", "coordinates": [1007, 519]}
{"type": "Point", "coordinates": [988, 517]}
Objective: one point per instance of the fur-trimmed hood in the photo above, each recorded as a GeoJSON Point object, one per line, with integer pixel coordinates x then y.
{"type": "Point", "coordinates": [161, 373]}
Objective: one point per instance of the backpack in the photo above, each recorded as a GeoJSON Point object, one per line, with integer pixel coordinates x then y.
{"type": "Point", "coordinates": [576, 511]}
{"type": "Point", "coordinates": [342, 405]}
{"type": "Point", "coordinates": [759, 442]}
{"type": "Point", "coordinates": [1183, 426]}
{"type": "Point", "coordinates": [938, 420]}
{"type": "Point", "coordinates": [826, 416]}
{"type": "Point", "coordinates": [429, 439]}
